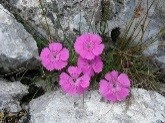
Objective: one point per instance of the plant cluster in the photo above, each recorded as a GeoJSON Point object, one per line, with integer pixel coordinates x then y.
{"type": "Point", "coordinates": [100, 60]}
{"type": "Point", "coordinates": [76, 80]}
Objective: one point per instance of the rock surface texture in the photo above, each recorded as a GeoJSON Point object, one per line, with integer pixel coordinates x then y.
{"type": "Point", "coordinates": [143, 107]}
{"type": "Point", "coordinates": [71, 17]}
{"type": "Point", "coordinates": [125, 10]}
{"type": "Point", "coordinates": [10, 95]}
{"type": "Point", "coordinates": [18, 48]}
{"type": "Point", "coordinates": [57, 16]}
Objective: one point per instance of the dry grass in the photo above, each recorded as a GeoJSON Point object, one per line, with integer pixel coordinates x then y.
{"type": "Point", "coordinates": [126, 55]}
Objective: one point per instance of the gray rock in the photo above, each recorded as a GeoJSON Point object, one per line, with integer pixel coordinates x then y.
{"type": "Point", "coordinates": [125, 11]}
{"type": "Point", "coordinates": [71, 16]}
{"type": "Point", "coordinates": [10, 95]}
{"type": "Point", "coordinates": [57, 15]}
{"type": "Point", "coordinates": [143, 107]}
{"type": "Point", "coordinates": [18, 48]}
{"type": "Point", "coordinates": [80, 23]}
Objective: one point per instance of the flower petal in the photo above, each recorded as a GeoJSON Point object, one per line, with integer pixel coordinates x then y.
{"type": "Point", "coordinates": [64, 54]}
{"type": "Point", "coordinates": [48, 65]}
{"type": "Point", "coordinates": [64, 79]}
{"type": "Point", "coordinates": [55, 47]}
{"type": "Point", "coordinates": [58, 65]}
{"type": "Point", "coordinates": [44, 53]}
{"type": "Point", "coordinates": [82, 62]}
{"type": "Point", "coordinates": [78, 45]}
{"type": "Point", "coordinates": [111, 97]}
{"type": "Point", "coordinates": [65, 82]}
{"type": "Point", "coordinates": [98, 49]}
{"type": "Point", "coordinates": [80, 90]}
{"type": "Point", "coordinates": [124, 80]}
{"type": "Point", "coordinates": [84, 81]}
{"type": "Point", "coordinates": [45, 60]}
{"type": "Point", "coordinates": [103, 87]}
{"type": "Point", "coordinates": [87, 54]}
{"type": "Point", "coordinates": [77, 90]}
{"type": "Point", "coordinates": [122, 93]}
{"type": "Point", "coordinates": [89, 72]}
{"type": "Point", "coordinates": [97, 65]}
{"type": "Point", "coordinates": [84, 65]}
{"type": "Point", "coordinates": [110, 76]}
{"type": "Point", "coordinates": [95, 38]}
{"type": "Point", "coordinates": [74, 71]}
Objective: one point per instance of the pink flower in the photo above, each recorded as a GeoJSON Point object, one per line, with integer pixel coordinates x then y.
{"type": "Point", "coordinates": [115, 87]}
{"type": "Point", "coordinates": [88, 46]}
{"type": "Point", "coordinates": [54, 57]}
{"type": "Point", "coordinates": [90, 66]}
{"type": "Point", "coordinates": [75, 82]}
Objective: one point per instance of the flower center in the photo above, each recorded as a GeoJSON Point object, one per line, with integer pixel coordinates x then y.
{"type": "Point", "coordinates": [114, 85]}
{"type": "Point", "coordinates": [74, 76]}
{"type": "Point", "coordinates": [89, 45]}
{"type": "Point", "coordinates": [76, 81]}
{"type": "Point", "coordinates": [90, 62]}
{"type": "Point", "coordinates": [54, 56]}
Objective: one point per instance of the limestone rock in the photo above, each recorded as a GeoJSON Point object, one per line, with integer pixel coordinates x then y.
{"type": "Point", "coordinates": [125, 11]}
{"type": "Point", "coordinates": [10, 95]}
{"type": "Point", "coordinates": [143, 107]}
{"type": "Point", "coordinates": [71, 16]}
{"type": "Point", "coordinates": [51, 16]}
{"type": "Point", "coordinates": [18, 48]}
